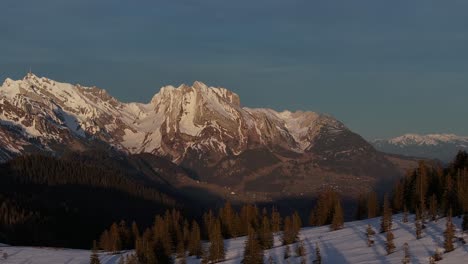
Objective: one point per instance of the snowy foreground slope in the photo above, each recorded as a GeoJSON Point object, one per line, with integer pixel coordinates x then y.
{"type": "Point", "coordinates": [348, 245]}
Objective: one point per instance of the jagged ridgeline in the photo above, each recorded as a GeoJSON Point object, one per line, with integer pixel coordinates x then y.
{"type": "Point", "coordinates": [202, 129]}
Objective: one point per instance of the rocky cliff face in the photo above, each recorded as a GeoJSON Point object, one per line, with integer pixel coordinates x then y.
{"type": "Point", "coordinates": [201, 128]}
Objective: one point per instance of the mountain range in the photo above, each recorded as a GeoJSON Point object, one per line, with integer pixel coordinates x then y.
{"type": "Point", "coordinates": [433, 146]}
{"type": "Point", "coordinates": [207, 136]}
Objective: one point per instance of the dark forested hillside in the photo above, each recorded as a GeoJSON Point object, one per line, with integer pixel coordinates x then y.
{"type": "Point", "coordinates": [47, 201]}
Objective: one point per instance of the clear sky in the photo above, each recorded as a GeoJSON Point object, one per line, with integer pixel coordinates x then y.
{"type": "Point", "coordinates": [382, 67]}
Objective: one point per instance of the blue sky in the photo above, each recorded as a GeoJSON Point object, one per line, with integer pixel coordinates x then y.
{"type": "Point", "coordinates": [384, 68]}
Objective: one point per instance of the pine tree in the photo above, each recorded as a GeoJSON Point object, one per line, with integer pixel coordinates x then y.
{"type": "Point", "coordinates": [386, 220]}
{"type": "Point", "coordinates": [186, 233]}
{"type": "Point", "coordinates": [338, 221]}
{"type": "Point", "coordinates": [421, 186]}
{"type": "Point", "coordinates": [227, 219]}
{"type": "Point", "coordinates": [253, 253]}
{"type": "Point", "coordinates": [418, 225]}
{"type": "Point", "coordinates": [180, 250]}
{"type": "Point", "coordinates": [437, 255]}
{"type": "Point", "coordinates": [296, 225]}
{"type": "Point", "coordinates": [275, 220]}
{"type": "Point", "coordinates": [300, 250]}
{"type": "Point", "coordinates": [216, 251]}
{"type": "Point", "coordinates": [370, 232]}
{"type": "Point", "coordinates": [287, 236]}
{"type": "Point", "coordinates": [115, 240]}
{"type": "Point", "coordinates": [94, 258]}
{"type": "Point", "coordinates": [104, 241]}
{"type": "Point", "coordinates": [389, 245]}
{"type": "Point", "coordinates": [292, 225]}
{"type": "Point", "coordinates": [195, 248]}
{"type": "Point", "coordinates": [318, 256]}
{"type": "Point", "coordinates": [407, 257]}
{"type": "Point", "coordinates": [449, 233]}
{"type": "Point", "coordinates": [405, 214]}
{"type": "Point", "coordinates": [125, 236]}
{"type": "Point", "coordinates": [265, 234]}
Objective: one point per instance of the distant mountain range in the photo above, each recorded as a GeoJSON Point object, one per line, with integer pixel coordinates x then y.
{"type": "Point", "coordinates": [251, 153]}
{"type": "Point", "coordinates": [434, 146]}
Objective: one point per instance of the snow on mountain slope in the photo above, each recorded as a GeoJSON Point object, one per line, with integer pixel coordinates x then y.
{"type": "Point", "coordinates": [436, 146]}
{"type": "Point", "coordinates": [197, 117]}
{"type": "Point", "coordinates": [348, 245]}
{"type": "Point", "coordinates": [430, 139]}
{"type": "Point", "coordinates": [203, 129]}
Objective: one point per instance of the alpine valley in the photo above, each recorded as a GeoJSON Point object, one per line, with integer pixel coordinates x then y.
{"type": "Point", "coordinates": [193, 138]}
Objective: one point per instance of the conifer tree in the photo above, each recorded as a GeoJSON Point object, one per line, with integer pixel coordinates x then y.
{"type": "Point", "coordinates": [104, 241]}
{"type": "Point", "coordinates": [208, 220]}
{"type": "Point", "coordinates": [94, 258]}
{"type": "Point", "coordinates": [162, 235]}
{"type": "Point", "coordinates": [275, 220]}
{"type": "Point", "coordinates": [337, 221]}
{"type": "Point", "coordinates": [125, 236]}
{"type": "Point", "coordinates": [288, 234]}
{"type": "Point", "coordinates": [418, 225]}
{"type": "Point", "coordinates": [300, 250]}
{"type": "Point", "coordinates": [386, 220]}
{"type": "Point", "coordinates": [389, 245]}
{"type": "Point", "coordinates": [253, 253]}
{"type": "Point", "coordinates": [227, 218]}
{"type": "Point", "coordinates": [449, 233]}
{"type": "Point", "coordinates": [421, 186]}
{"type": "Point", "coordinates": [205, 259]}
{"type": "Point", "coordinates": [406, 257]}
{"type": "Point", "coordinates": [115, 240]}
{"type": "Point", "coordinates": [265, 234]}
{"type": "Point", "coordinates": [437, 255]}
{"type": "Point", "coordinates": [180, 250]}
{"type": "Point", "coordinates": [186, 233]}
{"type": "Point", "coordinates": [405, 214]}
{"type": "Point", "coordinates": [318, 256]}
{"type": "Point", "coordinates": [216, 251]}
{"type": "Point", "coordinates": [195, 248]}
{"type": "Point", "coordinates": [370, 232]}
{"type": "Point", "coordinates": [292, 226]}
{"type": "Point", "coordinates": [296, 225]}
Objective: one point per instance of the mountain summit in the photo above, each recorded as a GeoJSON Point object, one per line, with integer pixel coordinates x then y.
{"type": "Point", "coordinates": [201, 128]}
{"type": "Point", "coordinates": [435, 146]}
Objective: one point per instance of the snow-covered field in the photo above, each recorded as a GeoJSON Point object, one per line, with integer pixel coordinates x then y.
{"type": "Point", "coordinates": [348, 245]}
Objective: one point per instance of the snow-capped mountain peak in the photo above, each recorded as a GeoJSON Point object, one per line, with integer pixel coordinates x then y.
{"type": "Point", "coordinates": [438, 146]}
{"type": "Point", "coordinates": [429, 139]}
{"type": "Point", "coordinates": [177, 121]}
